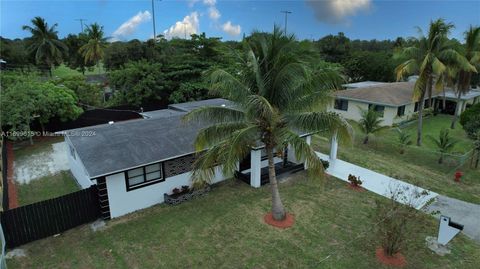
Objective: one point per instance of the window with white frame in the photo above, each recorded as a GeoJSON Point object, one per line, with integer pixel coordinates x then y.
{"type": "Point", "coordinates": [143, 176]}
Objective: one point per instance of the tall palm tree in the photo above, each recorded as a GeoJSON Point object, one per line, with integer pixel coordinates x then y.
{"type": "Point", "coordinates": [445, 143]}
{"type": "Point", "coordinates": [370, 122]}
{"type": "Point", "coordinates": [44, 43]}
{"type": "Point", "coordinates": [472, 55]}
{"type": "Point", "coordinates": [428, 58]}
{"type": "Point", "coordinates": [93, 50]}
{"type": "Point", "coordinates": [276, 96]}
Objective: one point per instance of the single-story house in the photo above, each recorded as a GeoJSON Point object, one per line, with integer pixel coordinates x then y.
{"type": "Point", "coordinates": [133, 163]}
{"type": "Point", "coordinates": [394, 101]}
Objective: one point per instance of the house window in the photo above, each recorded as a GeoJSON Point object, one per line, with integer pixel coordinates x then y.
{"type": "Point", "coordinates": [144, 176]}
{"type": "Point", "coordinates": [401, 111]}
{"type": "Point", "coordinates": [72, 152]}
{"type": "Point", "coordinates": [416, 107]}
{"type": "Point", "coordinates": [379, 109]}
{"type": "Point", "coordinates": [341, 104]}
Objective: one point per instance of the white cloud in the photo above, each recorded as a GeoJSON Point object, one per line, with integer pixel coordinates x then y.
{"type": "Point", "coordinates": [130, 26]}
{"type": "Point", "coordinates": [337, 11]}
{"type": "Point", "coordinates": [213, 13]}
{"type": "Point", "coordinates": [231, 29]}
{"type": "Point", "coordinates": [210, 2]}
{"type": "Point", "coordinates": [191, 3]}
{"type": "Point", "coordinates": [189, 25]}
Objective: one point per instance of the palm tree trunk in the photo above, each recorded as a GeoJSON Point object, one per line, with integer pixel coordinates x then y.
{"type": "Point", "coordinates": [278, 211]}
{"type": "Point", "coordinates": [430, 90]}
{"type": "Point", "coordinates": [457, 109]}
{"type": "Point", "coordinates": [420, 119]}
{"type": "Point", "coordinates": [440, 161]}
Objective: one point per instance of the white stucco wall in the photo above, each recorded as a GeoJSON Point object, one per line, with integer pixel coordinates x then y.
{"type": "Point", "coordinates": [76, 167]}
{"type": "Point", "coordinates": [123, 202]}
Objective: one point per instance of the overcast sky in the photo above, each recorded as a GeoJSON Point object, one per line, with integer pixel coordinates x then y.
{"type": "Point", "coordinates": [129, 19]}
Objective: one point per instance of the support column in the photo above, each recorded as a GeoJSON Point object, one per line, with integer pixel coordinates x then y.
{"type": "Point", "coordinates": [333, 148]}
{"type": "Point", "coordinates": [255, 168]}
{"type": "Point", "coordinates": [308, 139]}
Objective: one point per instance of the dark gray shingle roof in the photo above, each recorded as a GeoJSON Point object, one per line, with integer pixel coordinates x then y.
{"type": "Point", "coordinates": [120, 146]}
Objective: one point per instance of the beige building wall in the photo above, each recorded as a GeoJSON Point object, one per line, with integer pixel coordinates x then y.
{"type": "Point", "coordinates": [354, 110]}
{"type": "Point", "coordinates": [389, 116]}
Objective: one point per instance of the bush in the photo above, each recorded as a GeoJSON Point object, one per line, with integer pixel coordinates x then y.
{"type": "Point", "coordinates": [469, 113]}
{"type": "Point", "coordinates": [325, 164]}
{"type": "Point", "coordinates": [396, 220]}
{"type": "Point", "coordinates": [472, 126]}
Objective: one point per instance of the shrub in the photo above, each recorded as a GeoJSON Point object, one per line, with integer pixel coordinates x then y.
{"type": "Point", "coordinates": [325, 164]}
{"type": "Point", "coordinates": [355, 181]}
{"type": "Point", "coordinates": [469, 113]}
{"type": "Point", "coordinates": [396, 220]}
{"type": "Point", "coordinates": [472, 126]}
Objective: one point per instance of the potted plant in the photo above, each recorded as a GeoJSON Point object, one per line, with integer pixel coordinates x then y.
{"type": "Point", "coordinates": [183, 194]}
{"type": "Point", "coordinates": [355, 182]}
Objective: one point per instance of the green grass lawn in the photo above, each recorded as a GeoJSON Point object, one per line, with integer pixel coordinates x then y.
{"type": "Point", "coordinates": [432, 127]}
{"type": "Point", "coordinates": [419, 165]}
{"type": "Point", "coordinates": [63, 71]}
{"type": "Point", "coordinates": [225, 229]}
{"type": "Point", "coordinates": [46, 188]}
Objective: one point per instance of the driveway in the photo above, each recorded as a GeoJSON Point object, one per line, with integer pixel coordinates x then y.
{"type": "Point", "coordinates": [461, 212]}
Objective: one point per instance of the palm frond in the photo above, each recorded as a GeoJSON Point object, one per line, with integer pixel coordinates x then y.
{"type": "Point", "coordinates": [213, 114]}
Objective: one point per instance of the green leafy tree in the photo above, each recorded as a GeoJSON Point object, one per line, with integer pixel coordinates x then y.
{"type": "Point", "coordinates": [75, 59]}
{"type": "Point", "coordinates": [428, 58]}
{"type": "Point", "coordinates": [26, 101]}
{"type": "Point", "coordinates": [276, 95]}
{"type": "Point", "coordinates": [404, 139]}
{"type": "Point", "coordinates": [44, 44]}
{"type": "Point", "coordinates": [334, 48]}
{"type": "Point", "coordinates": [138, 82]}
{"type": "Point", "coordinates": [472, 55]}
{"type": "Point", "coordinates": [445, 143]}
{"type": "Point", "coordinates": [370, 122]}
{"type": "Point", "coordinates": [87, 93]}
{"type": "Point", "coordinates": [93, 50]}
{"type": "Point", "coordinates": [189, 91]}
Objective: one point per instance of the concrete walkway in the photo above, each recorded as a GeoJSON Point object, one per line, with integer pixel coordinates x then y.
{"type": "Point", "coordinates": [379, 183]}
{"type": "Point", "coordinates": [467, 214]}
{"type": "Point", "coordinates": [464, 213]}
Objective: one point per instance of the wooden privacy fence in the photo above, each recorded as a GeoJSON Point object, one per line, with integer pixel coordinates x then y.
{"type": "Point", "coordinates": [46, 218]}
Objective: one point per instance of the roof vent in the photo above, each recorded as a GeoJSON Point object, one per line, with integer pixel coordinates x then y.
{"type": "Point", "coordinates": [110, 122]}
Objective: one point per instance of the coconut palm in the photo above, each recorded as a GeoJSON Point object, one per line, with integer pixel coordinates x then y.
{"type": "Point", "coordinates": [276, 96]}
{"type": "Point", "coordinates": [370, 122]}
{"type": "Point", "coordinates": [445, 143]}
{"type": "Point", "coordinates": [404, 139]}
{"type": "Point", "coordinates": [428, 58]}
{"type": "Point", "coordinates": [93, 50]}
{"type": "Point", "coordinates": [472, 55]}
{"type": "Point", "coordinates": [44, 43]}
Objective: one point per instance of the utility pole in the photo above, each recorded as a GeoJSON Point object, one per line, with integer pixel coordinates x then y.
{"type": "Point", "coordinates": [286, 15]}
{"type": "Point", "coordinates": [153, 16]}
{"type": "Point", "coordinates": [185, 29]}
{"type": "Point", "coordinates": [81, 23]}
